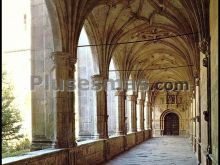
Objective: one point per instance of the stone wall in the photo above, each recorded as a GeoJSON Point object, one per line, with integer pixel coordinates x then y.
{"type": "Point", "coordinates": [214, 77]}
{"type": "Point", "coordinates": [160, 107]}
{"type": "Point", "coordinates": [130, 140]}
{"type": "Point", "coordinates": [86, 153]}
{"type": "Point", "coordinates": [214, 89]}
{"type": "Point", "coordinates": [115, 146]}
{"type": "Point", "coordinates": [147, 134]}
{"type": "Point", "coordinates": [139, 137]}
{"type": "Point", "coordinates": [39, 157]}
{"type": "Point", "coordinates": [89, 153]}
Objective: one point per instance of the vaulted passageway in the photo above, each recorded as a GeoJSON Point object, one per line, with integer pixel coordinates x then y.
{"type": "Point", "coordinates": [175, 150]}
{"type": "Point", "coordinates": [162, 46]}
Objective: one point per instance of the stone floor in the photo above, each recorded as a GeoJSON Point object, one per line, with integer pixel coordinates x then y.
{"type": "Point", "coordinates": [158, 151]}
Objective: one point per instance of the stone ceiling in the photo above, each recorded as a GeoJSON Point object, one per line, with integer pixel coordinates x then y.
{"type": "Point", "coordinates": [108, 22]}
{"type": "Point", "coordinates": [135, 20]}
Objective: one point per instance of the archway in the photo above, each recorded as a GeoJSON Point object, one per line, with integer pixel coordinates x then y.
{"type": "Point", "coordinates": [171, 124]}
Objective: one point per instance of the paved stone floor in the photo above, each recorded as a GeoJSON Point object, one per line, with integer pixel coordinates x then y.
{"type": "Point", "coordinates": [164, 150]}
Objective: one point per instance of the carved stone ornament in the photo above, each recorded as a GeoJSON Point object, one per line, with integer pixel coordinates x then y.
{"type": "Point", "coordinates": [63, 59]}
{"type": "Point", "coordinates": [119, 92]}
{"type": "Point", "coordinates": [205, 62]}
{"type": "Point", "coordinates": [197, 81]}
{"type": "Point", "coordinates": [204, 46]}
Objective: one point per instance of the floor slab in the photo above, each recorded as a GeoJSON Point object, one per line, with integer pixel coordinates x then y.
{"type": "Point", "coordinates": [166, 150]}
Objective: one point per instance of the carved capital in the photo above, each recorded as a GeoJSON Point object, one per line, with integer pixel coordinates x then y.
{"type": "Point", "coordinates": [204, 46]}
{"type": "Point", "coordinates": [99, 82]}
{"type": "Point", "coordinates": [149, 103]}
{"type": "Point", "coordinates": [63, 60]}
{"type": "Point", "coordinates": [120, 92]}
{"type": "Point", "coordinates": [132, 97]}
{"type": "Point", "coordinates": [98, 77]}
{"type": "Point", "coordinates": [140, 101]}
{"type": "Point", "coordinates": [197, 81]}
{"type": "Point", "coordinates": [205, 61]}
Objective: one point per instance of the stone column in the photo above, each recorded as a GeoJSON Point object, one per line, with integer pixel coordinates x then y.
{"type": "Point", "coordinates": [140, 102]}
{"type": "Point", "coordinates": [146, 117]}
{"type": "Point", "coordinates": [132, 99]}
{"type": "Point", "coordinates": [149, 116]}
{"type": "Point", "coordinates": [191, 120]}
{"type": "Point", "coordinates": [101, 103]}
{"type": "Point", "coordinates": [198, 119]}
{"type": "Point", "coordinates": [194, 122]}
{"type": "Point", "coordinates": [120, 128]}
{"type": "Point", "coordinates": [64, 100]}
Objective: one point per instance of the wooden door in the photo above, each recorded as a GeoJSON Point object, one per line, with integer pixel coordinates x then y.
{"type": "Point", "coordinates": [171, 124]}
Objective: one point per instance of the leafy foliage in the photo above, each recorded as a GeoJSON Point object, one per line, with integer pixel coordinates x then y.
{"type": "Point", "coordinates": [11, 119]}
{"type": "Point", "coordinates": [20, 148]}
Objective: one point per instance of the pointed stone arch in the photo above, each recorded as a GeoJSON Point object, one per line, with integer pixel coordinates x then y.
{"type": "Point", "coordinates": [164, 114]}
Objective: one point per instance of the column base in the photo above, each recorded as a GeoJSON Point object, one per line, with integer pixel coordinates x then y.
{"type": "Point", "coordinates": [103, 137]}
{"type": "Point", "coordinates": [98, 136]}
{"type": "Point", "coordinates": [133, 131]}
{"type": "Point", "coordinates": [41, 144]}
{"type": "Point", "coordinates": [125, 143]}
{"type": "Point", "coordinates": [65, 144]}
{"type": "Point", "coordinates": [120, 133]}
{"type": "Point", "coordinates": [85, 137]}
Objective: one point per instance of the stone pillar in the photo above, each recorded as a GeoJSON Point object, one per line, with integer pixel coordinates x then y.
{"type": "Point", "coordinates": [132, 99]}
{"type": "Point", "coordinates": [101, 103]}
{"type": "Point", "coordinates": [42, 113]}
{"type": "Point", "coordinates": [64, 100]}
{"type": "Point", "coordinates": [140, 103]}
{"type": "Point", "coordinates": [146, 115]}
{"type": "Point", "coordinates": [191, 121]}
{"type": "Point", "coordinates": [120, 128]}
{"type": "Point", "coordinates": [194, 123]}
{"type": "Point", "coordinates": [149, 116]}
{"type": "Point", "coordinates": [198, 119]}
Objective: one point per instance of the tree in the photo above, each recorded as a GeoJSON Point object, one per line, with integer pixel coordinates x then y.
{"type": "Point", "coordinates": [11, 119]}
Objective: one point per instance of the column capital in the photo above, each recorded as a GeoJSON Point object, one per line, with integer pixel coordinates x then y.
{"type": "Point", "coordinates": [120, 92]}
{"type": "Point", "coordinates": [132, 97]}
{"type": "Point", "coordinates": [149, 103]}
{"type": "Point", "coordinates": [63, 60]}
{"type": "Point", "coordinates": [204, 46]}
{"type": "Point", "coordinates": [197, 81]}
{"type": "Point", "coordinates": [98, 77]}
{"type": "Point", "coordinates": [140, 101]}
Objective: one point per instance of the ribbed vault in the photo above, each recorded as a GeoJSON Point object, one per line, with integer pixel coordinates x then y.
{"type": "Point", "coordinates": [181, 23]}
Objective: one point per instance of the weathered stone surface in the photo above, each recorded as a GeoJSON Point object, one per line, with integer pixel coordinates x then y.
{"type": "Point", "coordinates": [122, 21]}
{"type": "Point", "coordinates": [158, 151]}
{"type": "Point", "coordinates": [131, 140]}
{"type": "Point", "coordinates": [86, 153]}
{"type": "Point", "coordinates": [214, 79]}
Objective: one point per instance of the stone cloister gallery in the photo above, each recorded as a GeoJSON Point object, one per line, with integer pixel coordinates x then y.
{"type": "Point", "coordinates": [170, 44]}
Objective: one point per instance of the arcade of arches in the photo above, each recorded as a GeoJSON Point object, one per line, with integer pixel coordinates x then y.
{"type": "Point", "coordinates": [151, 40]}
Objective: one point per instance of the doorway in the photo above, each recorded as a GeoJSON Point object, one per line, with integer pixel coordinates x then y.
{"type": "Point", "coordinates": [171, 124]}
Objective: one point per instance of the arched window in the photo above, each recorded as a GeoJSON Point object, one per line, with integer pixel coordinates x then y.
{"type": "Point", "coordinates": [85, 103]}
{"type": "Point", "coordinates": [138, 111]}
{"type": "Point", "coordinates": [128, 105]}
{"type": "Point", "coordinates": [112, 103]}
{"type": "Point", "coordinates": [146, 113]}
